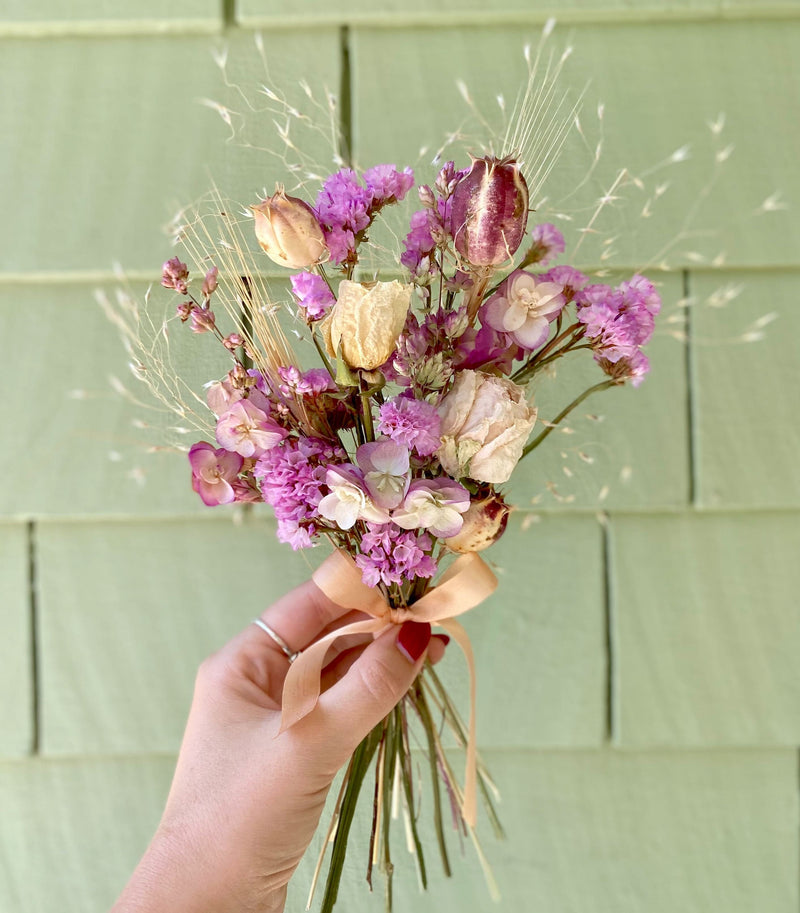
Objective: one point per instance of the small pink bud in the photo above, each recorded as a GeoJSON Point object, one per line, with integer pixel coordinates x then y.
{"type": "Point", "coordinates": [288, 231]}
{"type": "Point", "coordinates": [184, 310]}
{"type": "Point", "coordinates": [490, 211]}
{"type": "Point", "coordinates": [202, 320]}
{"type": "Point", "coordinates": [232, 342]}
{"type": "Point", "coordinates": [210, 282]}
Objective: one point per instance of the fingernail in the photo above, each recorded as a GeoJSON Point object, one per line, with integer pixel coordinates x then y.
{"type": "Point", "coordinates": [413, 639]}
{"type": "Point", "coordinates": [444, 638]}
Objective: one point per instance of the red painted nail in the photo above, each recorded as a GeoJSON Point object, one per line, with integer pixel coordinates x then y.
{"type": "Point", "coordinates": [413, 639]}
{"type": "Point", "coordinates": [444, 638]}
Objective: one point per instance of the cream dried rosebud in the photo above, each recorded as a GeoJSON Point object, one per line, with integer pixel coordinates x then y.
{"type": "Point", "coordinates": [366, 322]}
{"type": "Point", "coordinates": [484, 523]}
{"type": "Point", "coordinates": [288, 231]}
{"type": "Point", "coordinates": [489, 211]}
{"type": "Point", "coordinates": [486, 421]}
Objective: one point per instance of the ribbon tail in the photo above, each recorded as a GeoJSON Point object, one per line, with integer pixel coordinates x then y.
{"type": "Point", "coordinates": [469, 807]}
{"type": "Point", "coordinates": [302, 683]}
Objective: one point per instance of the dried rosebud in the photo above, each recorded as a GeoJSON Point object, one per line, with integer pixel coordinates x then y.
{"type": "Point", "coordinates": [489, 211]}
{"type": "Point", "coordinates": [174, 275]}
{"type": "Point", "coordinates": [484, 523]}
{"type": "Point", "coordinates": [486, 421]}
{"type": "Point", "coordinates": [210, 282]}
{"type": "Point", "coordinates": [202, 320]}
{"type": "Point", "coordinates": [288, 231]}
{"type": "Point", "coordinates": [366, 322]}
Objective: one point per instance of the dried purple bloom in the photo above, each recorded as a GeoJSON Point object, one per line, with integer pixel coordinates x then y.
{"type": "Point", "coordinates": [184, 310]}
{"type": "Point", "coordinates": [489, 211]}
{"type": "Point", "coordinates": [414, 423]}
{"type": "Point", "coordinates": [548, 242]}
{"type": "Point", "coordinates": [569, 278]}
{"type": "Point", "coordinates": [292, 478]}
{"type": "Point", "coordinates": [387, 184]}
{"type": "Point", "coordinates": [174, 275]}
{"type": "Point", "coordinates": [390, 555]}
{"type": "Point", "coordinates": [314, 298]}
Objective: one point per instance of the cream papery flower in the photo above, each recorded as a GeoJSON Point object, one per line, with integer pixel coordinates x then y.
{"type": "Point", "coordinates": [348, 500]}
{"type": "Point", "coordinates": [366, 322]}
{"type": "Point", "coordinates": [386, 471]}
{"type": "Point", "coordinates": [524, 308]}
{"type": "Point", "coordinates": [435, 505]}
{"type": "Point", "coordinates": [486, 421]}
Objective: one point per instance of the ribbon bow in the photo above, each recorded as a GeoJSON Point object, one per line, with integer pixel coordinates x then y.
{"type": "Point", "coordinates": [465, 584]}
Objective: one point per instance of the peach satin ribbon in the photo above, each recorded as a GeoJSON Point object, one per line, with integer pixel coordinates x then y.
{"type": "Point", "coordinates": [465, 584]}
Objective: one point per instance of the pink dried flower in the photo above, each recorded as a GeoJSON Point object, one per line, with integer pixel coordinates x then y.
{"type": "Point", "coordinates": [247, 430]}
{"type": "Point", "coordinates": [210, 282]}
{"type": "Point", "coordinates": [174, 275]}
{"type": "Point", "coordinates": [548, 242]}
{"type": "Point", "coordinates": [348, 499]}
{"type": "Point", "coordinates": [390, 555]}
{"type": "Point", "coordinates": [435, 505]}
{"type": "Point", "coordinates": [214, 473]}
{"type": "Point", "coordinates": [524, 307]}
{"type": "Point", "coordinates": [572, 280]}
{"type": "Point", "coordinates": [184, 310]}
{"type": "Point", "coordinates": [203, 320]}
{"type": "Point", "coordinates": [385, 465]}
{"type": "Point", "coordinates": [232, 342]}
{"type": "Point", "coordinates": [414, 423]}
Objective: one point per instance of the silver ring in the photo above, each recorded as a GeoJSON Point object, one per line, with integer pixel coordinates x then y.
{"type": "Point", "coordinates": [287, 651]}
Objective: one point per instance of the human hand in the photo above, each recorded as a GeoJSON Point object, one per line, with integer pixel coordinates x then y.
{"type": "Point", "coordinates": [245, 801]}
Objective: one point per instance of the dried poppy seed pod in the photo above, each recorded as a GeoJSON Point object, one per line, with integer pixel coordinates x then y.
{"type": "Point", "coordinates": [490, 211]}
{"type": "Point", "coordinates": [288, 231]}
{"type": "Point", "coordinates": [484, 523]}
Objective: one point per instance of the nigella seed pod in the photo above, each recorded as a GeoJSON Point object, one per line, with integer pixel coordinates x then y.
{"type": "Point", "coordinates": [484, 523]}
{"type": "Point", "coordinates": [288, 231]}
{"type": "Point", "coordinates": [490, 211]}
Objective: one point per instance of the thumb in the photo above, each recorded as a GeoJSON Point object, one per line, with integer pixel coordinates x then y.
{"type": "Point", "coordinates": [375, 683]}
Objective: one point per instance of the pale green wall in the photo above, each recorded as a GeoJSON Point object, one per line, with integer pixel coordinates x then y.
{"type": "Point", "coordinates": [648, 753]}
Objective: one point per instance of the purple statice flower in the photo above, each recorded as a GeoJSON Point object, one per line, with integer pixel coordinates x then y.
{"type": "Point", "coordinates": [548, 243]}
{"type": "Point", "coordinates": [419, 244]}
{"type": "Point", "coordinates": [292, 479]}
{"type": "Point", "coordinates": [342, 208]}
{"type": "Point", "coordinates": [247, 430]}
{"type": "Point", "coordinates": [638, 291]}
{"type": "Point", "coordinates": [619, 321]}
{"type": "Point", "coordinates": [414, 423]}
{"type": "Point", "coordinates": [174, 274]}
{"type": "Point", "coordinates": [214, 473]}
{"type": "Point", "coordinates": [387, 184]}
{"type": "Point", "coordinates": [391, 555]}
{"type": "Point", "coordinates": [570, 279]}
{"type": "Point", "coordinates": [314, 298]}
{"type": "Point", "coordinates": [306, 383]}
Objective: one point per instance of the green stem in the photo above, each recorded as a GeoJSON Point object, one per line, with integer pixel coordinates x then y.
{"type": "Point", "coordinates": [358, 767]}
{"type": "Point", "coordinates": [322, 354]}
{"type": "Point", "coordinates": [604, 385]}
{"type": "Point", "coordinates": [421, 706]}
{"type": "Point", "coordinates": [366, 411]}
